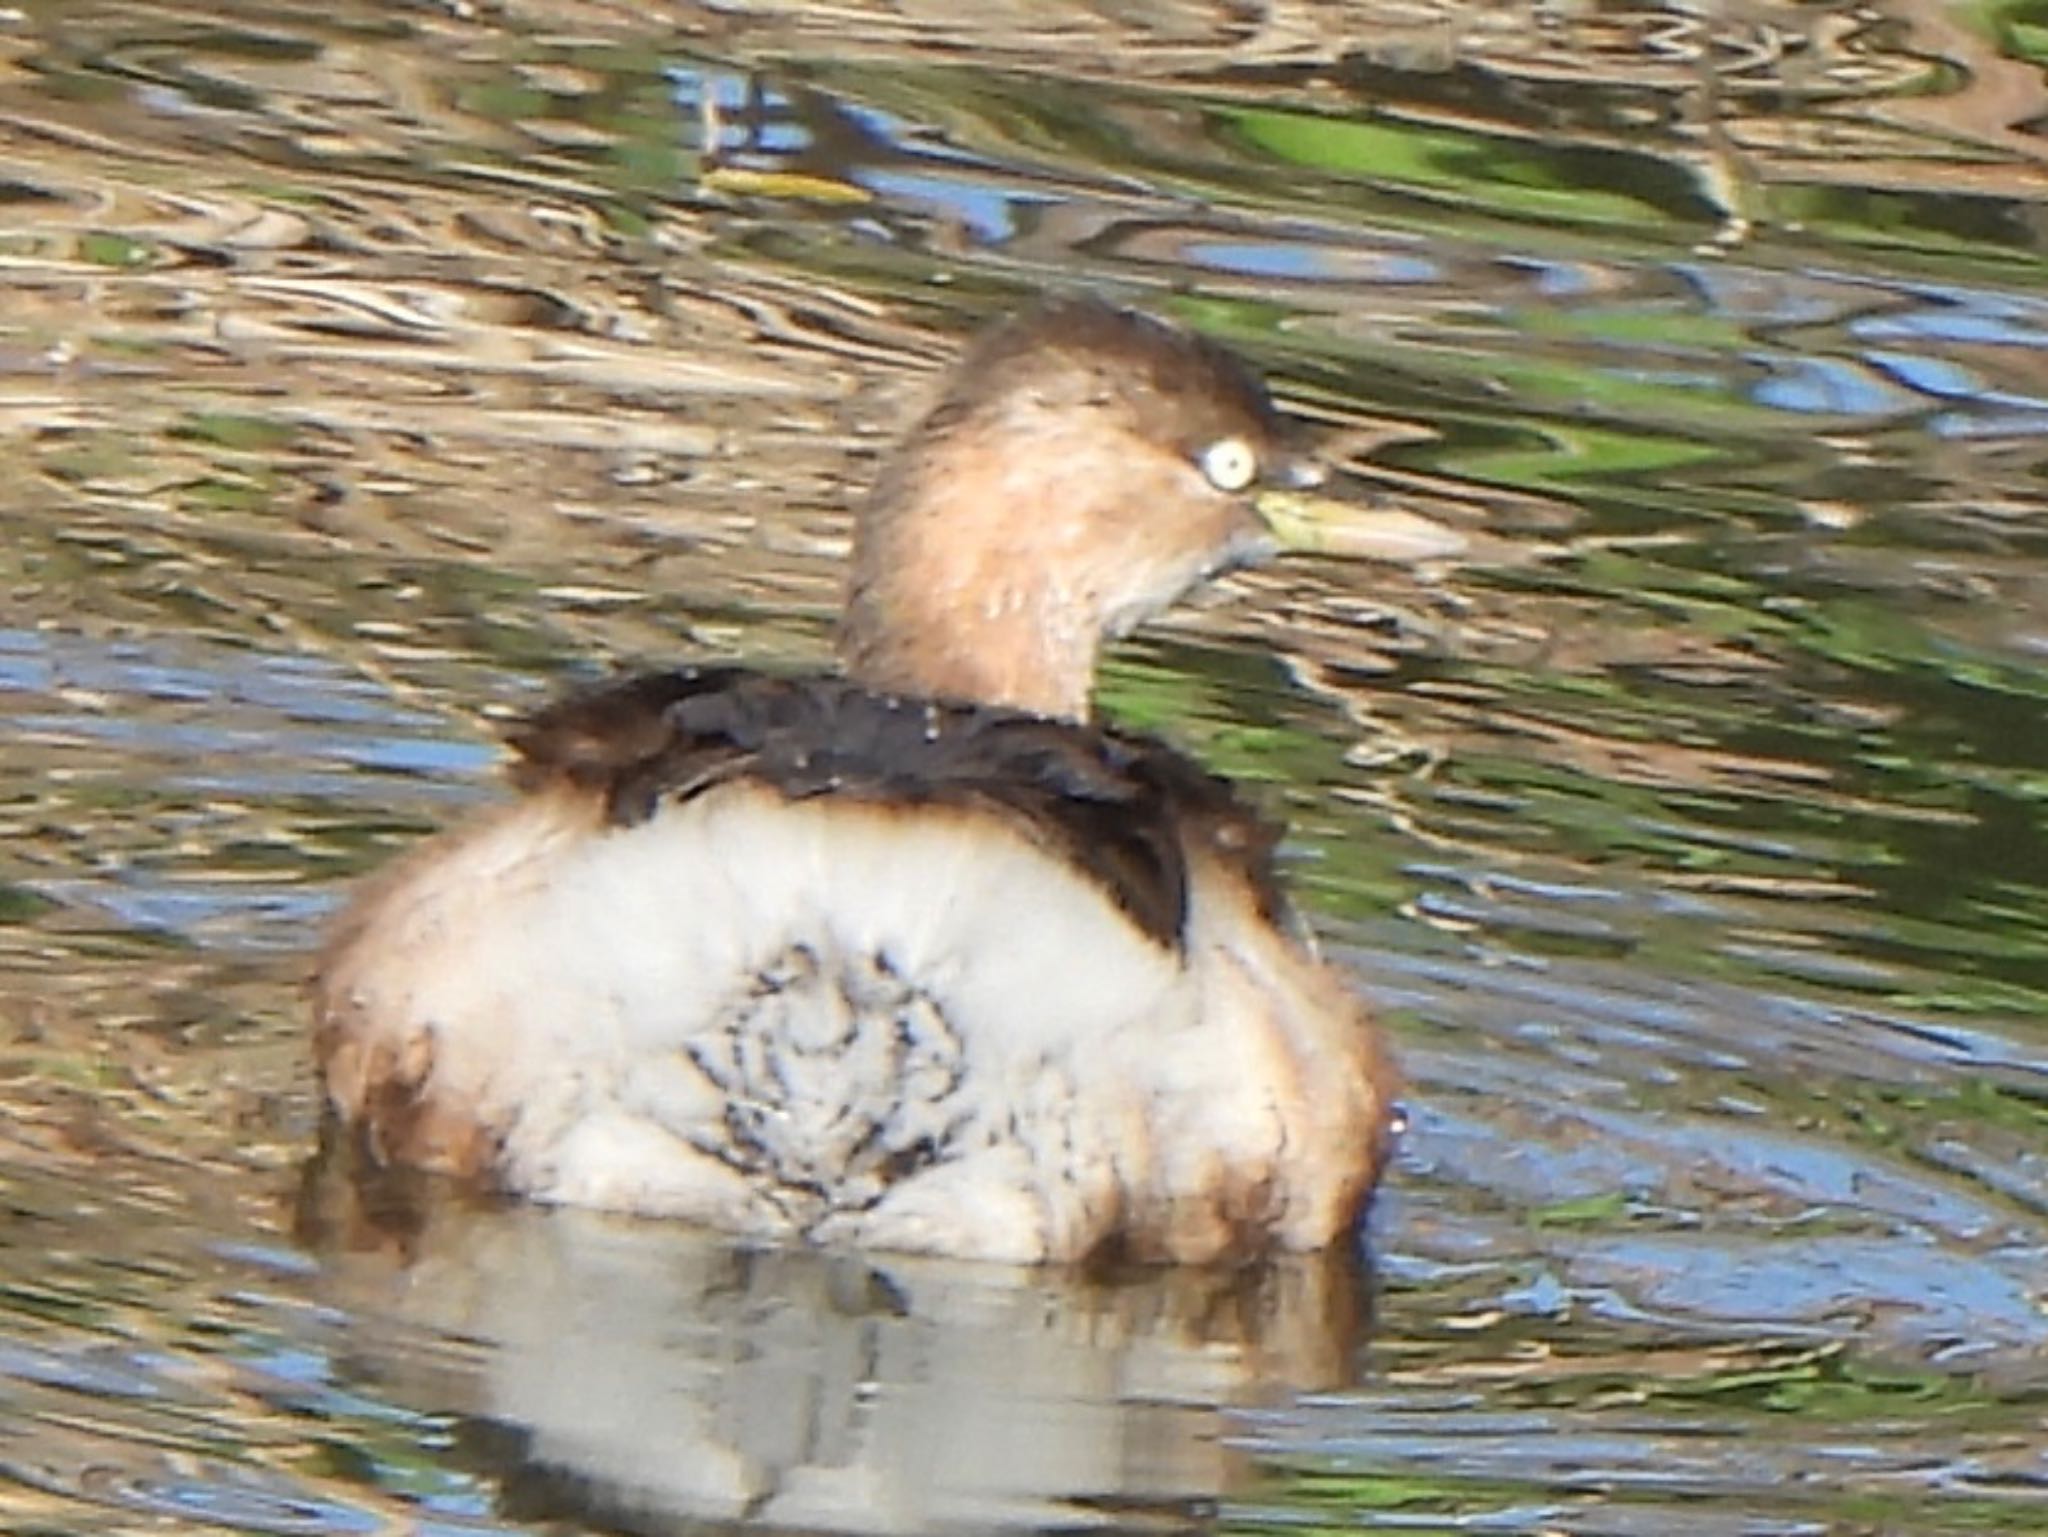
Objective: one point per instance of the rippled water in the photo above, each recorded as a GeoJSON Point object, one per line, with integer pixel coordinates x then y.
{"type": "Point", "coordinates": [365, 370]}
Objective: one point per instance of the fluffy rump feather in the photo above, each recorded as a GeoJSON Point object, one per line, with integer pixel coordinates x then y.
{"type": "Point", "coordinates": [761, 954]}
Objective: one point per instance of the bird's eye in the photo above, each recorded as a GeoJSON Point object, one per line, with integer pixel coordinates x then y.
{"type": "Point", "coordinates": [1230, 464]}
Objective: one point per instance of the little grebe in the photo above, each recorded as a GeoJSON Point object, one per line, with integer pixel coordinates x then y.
{"type": "Point", "coordinates": [916, 958]}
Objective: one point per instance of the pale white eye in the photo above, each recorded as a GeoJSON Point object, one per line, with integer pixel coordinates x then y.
{"type": "Point", "coordinates": [1230, 464]}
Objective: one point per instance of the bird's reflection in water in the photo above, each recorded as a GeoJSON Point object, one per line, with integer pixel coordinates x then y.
{"type": "Point", "coordinates": [648, 1377]}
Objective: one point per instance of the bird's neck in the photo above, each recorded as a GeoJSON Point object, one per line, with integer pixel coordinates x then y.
{"type": "Point", "coordinates": [997, 639]}
{"type": "Point", "coordinates": [963, 588]}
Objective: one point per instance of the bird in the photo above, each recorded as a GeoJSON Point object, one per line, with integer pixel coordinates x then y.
{"type": "Point", "coordinates": [915, 954]}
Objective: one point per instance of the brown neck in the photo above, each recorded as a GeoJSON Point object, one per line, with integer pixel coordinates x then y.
{"type": "Point", "coordinates": [987, 663]}
{"type": "Point", "coordinates": [964, 587]}
{"type": "Point", "coordinates": [994, 637]}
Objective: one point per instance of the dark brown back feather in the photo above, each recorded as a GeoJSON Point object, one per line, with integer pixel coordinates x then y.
{"type": "Point", "coordinates": [1123, 808]}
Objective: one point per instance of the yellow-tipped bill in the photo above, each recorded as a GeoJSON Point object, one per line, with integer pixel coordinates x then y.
{"type": "Point", "coordinates": [1322, 525]}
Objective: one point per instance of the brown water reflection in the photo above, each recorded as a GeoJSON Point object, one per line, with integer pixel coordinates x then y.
{"type": "Point", "coordinates": [365, 369]}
